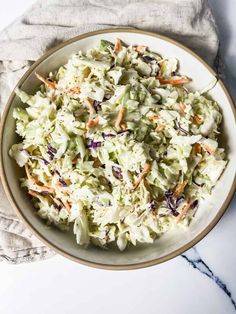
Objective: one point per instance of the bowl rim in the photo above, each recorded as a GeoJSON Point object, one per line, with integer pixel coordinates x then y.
{"type": "Point", "coordinates": [46, 241]}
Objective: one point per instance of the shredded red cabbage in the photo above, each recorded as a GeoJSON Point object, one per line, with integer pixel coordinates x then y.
{"type": "Point", "coordinates": [57, 172]}
{"type": "Point", "coordinates": [172, 203]}
{"type": "Point", "coordinates": [194, 204]}
{"type": "Point", "coordinates": [57, 206]}
{"type": "Point", "coordinates": [94, 144]}
{"type": "Point", "coordinates": [179, 200]}
{"type": "Point", "coordinates": [96, 105]}
{"type": "Point", "coordinates": [147, 59]}
{"type": "Point", "coordinates": [174, 212]}
{"type": "Point", "coordinates": [44, 192]}
{"type": "Point", "coordinates": [35, 157]}
{"type": "Point", "coordinates": [124, 131]}
{"type": "Point", "coordinates": [51, 151]}
{"type": "Point", "coordinates": [51, 155]}
{"type": "Point", "coordinates": [40, 159]}
{"type": "Point", "coordinates": [170, 200]}
{"type": "Point", "coordinates": [181, 129]}
{"type": "Point", "coordinates": [107, 232]}
{"type": "Point", "coordinates": [45, 161]}
{"type": "Point", "coordinates": [104, 135]}
{"type": "Point", "coordinates": [152, 206]}
{"type": "Point", "coordinates": [62, 182]}
{"type": "Point", "coordinates": [168, 193]}
{"type": "Point", "coordinates": [117, 172]}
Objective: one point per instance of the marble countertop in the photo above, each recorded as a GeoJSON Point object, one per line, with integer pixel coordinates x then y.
{"type": "Point", "coordinates": [202, 280]}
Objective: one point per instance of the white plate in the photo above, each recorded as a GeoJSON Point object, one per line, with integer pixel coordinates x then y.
{"type": "Point", "coordinates": [172, 243]}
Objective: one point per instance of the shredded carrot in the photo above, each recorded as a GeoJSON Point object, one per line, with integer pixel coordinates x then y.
{"type": "Point", "coordinates": [63, 189]}
{"type": "Point", "coordinates": [57, 202]}
{"type": "Point", "coordinates": [75, 89]}
{"type": "Point", "coordinates": [183, 212]}
{"type": "Point", "coordinates": [197, 120]}
{"type": "Point", "coordinates": [60, 203]}
{"type": "Point", "coordinates": [30, 178]}
{"type": "Point", "coordinates": [90, 106]}
{"type": "Point", "coordinates": [197, 149]}
{"type": "Point", "coordinates": [154, 118]}
{"type": "Point", "coordinates": [208, 149]}
{"type": "Point", "coordinates": [33, 182]}
{"type": "Point", "coordinates": [43, 188]}
{"type": "Point", "coordinates": [182, 106]}
{"type": "Point", "coordinates": [74, 161]}
{"type": "Point", "coordinates": [67, 206]}
{"type": "Point", "coordinates": [140, 48]}
{"type": "Point", "coordinates": [120, 117]}
{"type": "Point", "coordinates": [118, 45]}
{"type": "Point", "coordinates": [180, 188]}
{"type": "Point", "coordinates": [53, 97]}
{"type": "Point", "coordinates": [159, 128]}
{"type": "Point", "coordinates": [33, 193]}
{"type": "Point", "coordinates": [92, 123]}
{"type": "Point", "coordinates": [123, 126]}
{"type": "Point", "coordinates": [182, 80]}
{"type": "Point", "coordinates": [146, 170]}
{"type": "Point", "coordinates": [46, 82]}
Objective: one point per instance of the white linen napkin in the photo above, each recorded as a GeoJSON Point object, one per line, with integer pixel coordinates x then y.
{"type": "Point", "coordinates": [49, 22]}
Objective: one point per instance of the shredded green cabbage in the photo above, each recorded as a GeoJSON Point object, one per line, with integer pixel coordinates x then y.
{"type": "Point", "coordinates": [115, 144]}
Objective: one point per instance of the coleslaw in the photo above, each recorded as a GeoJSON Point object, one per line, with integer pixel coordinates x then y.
{"type": "Point", "coordinates": [114, 144]}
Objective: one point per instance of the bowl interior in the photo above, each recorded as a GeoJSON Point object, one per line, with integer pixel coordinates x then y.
{"type": "Point", "coordinates": [172, 242]}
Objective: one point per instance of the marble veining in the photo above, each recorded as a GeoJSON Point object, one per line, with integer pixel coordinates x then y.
{"type": "Point", "coordinates": [195, 260]}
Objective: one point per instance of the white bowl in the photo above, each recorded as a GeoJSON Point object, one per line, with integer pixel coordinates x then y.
{"type": "Point", "coordinates": [172, 243]}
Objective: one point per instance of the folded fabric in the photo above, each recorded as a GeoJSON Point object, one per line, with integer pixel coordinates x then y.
{"type": "Point", "coordinates": [50, 22]}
